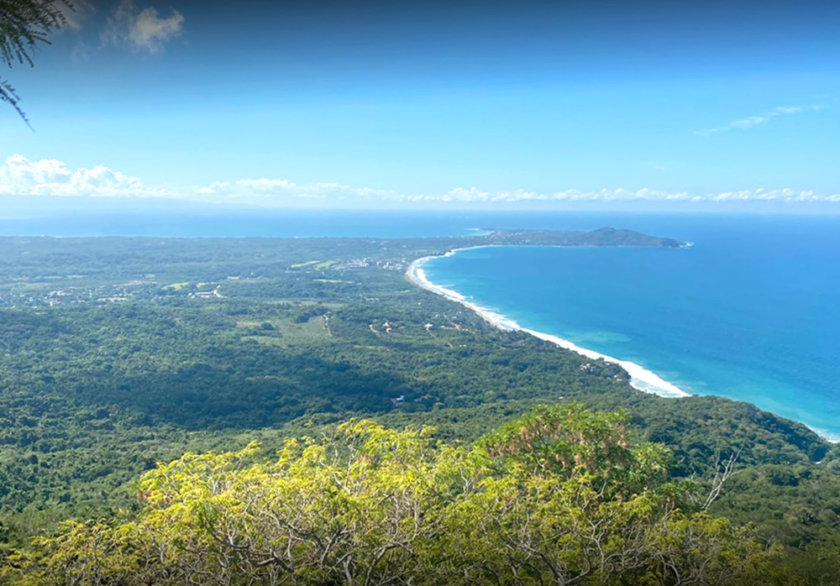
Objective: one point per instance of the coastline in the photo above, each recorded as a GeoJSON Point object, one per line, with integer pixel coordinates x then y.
{"type": "Point", "coordinates": [641, 378]}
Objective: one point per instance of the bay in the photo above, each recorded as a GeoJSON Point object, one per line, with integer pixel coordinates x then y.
{"type": "Point", "coordinates": [751, 311]}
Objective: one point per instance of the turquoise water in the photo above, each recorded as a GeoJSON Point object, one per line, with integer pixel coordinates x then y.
{"type": "Point", "coordinates": [750, 312]}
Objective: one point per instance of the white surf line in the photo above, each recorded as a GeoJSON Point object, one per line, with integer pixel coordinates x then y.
{"type": "Point", "coordinates": [641, 378]}
{"type": "Point", "coordinates": [826, 435]}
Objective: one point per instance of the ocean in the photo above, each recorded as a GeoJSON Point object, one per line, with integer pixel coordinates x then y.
{"type": "Point", "coordinates": [751, 311]}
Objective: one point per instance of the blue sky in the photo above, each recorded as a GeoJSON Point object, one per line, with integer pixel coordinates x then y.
{"type": "Point", "coordinates": [369, 104]}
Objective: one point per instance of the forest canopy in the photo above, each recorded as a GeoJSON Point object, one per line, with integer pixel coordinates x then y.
{"type": "Point", "coordinates": [119, 353]}
{"type": "Point", "coordinates": [558, 496]}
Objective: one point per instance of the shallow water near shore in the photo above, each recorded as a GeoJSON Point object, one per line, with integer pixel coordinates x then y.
{"type": "Point", "coordinates": [750, 312]}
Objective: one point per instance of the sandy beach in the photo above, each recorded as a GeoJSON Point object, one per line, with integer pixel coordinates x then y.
{"type": "Point", "coordinates": [641, 378]}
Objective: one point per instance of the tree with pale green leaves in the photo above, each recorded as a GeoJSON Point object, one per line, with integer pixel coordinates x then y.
{"type": "Point", "coordinates": [561, 496]}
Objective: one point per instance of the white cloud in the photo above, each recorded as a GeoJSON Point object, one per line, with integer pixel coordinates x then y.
{"type": "Point", "coordinates": [143, 30]}
{"type": "Point", "coordinates": [20, 176]}
{"type": "Point", "coordinates": [751, 121]}
{"type": "Point", "coordinates": [277, 192]}
{"type": "Point", "coordinates": [710, 131]}
{"type": "Point", "coordinates": [280, 191]}
{"type": "Point", "coordinates": [50, 177]}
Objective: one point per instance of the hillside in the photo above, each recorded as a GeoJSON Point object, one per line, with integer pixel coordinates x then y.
{"type": "Point", "coordinates": [116, 354]}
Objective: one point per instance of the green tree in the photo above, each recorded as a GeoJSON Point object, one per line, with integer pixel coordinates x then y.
{"type": "Point", "coordinates": [23, 25]}
{"type": "Point", "coordinates": [370, 505]}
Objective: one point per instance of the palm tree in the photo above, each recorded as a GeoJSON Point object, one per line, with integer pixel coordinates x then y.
{"type": "Point", "coordinates": [24, 24]}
